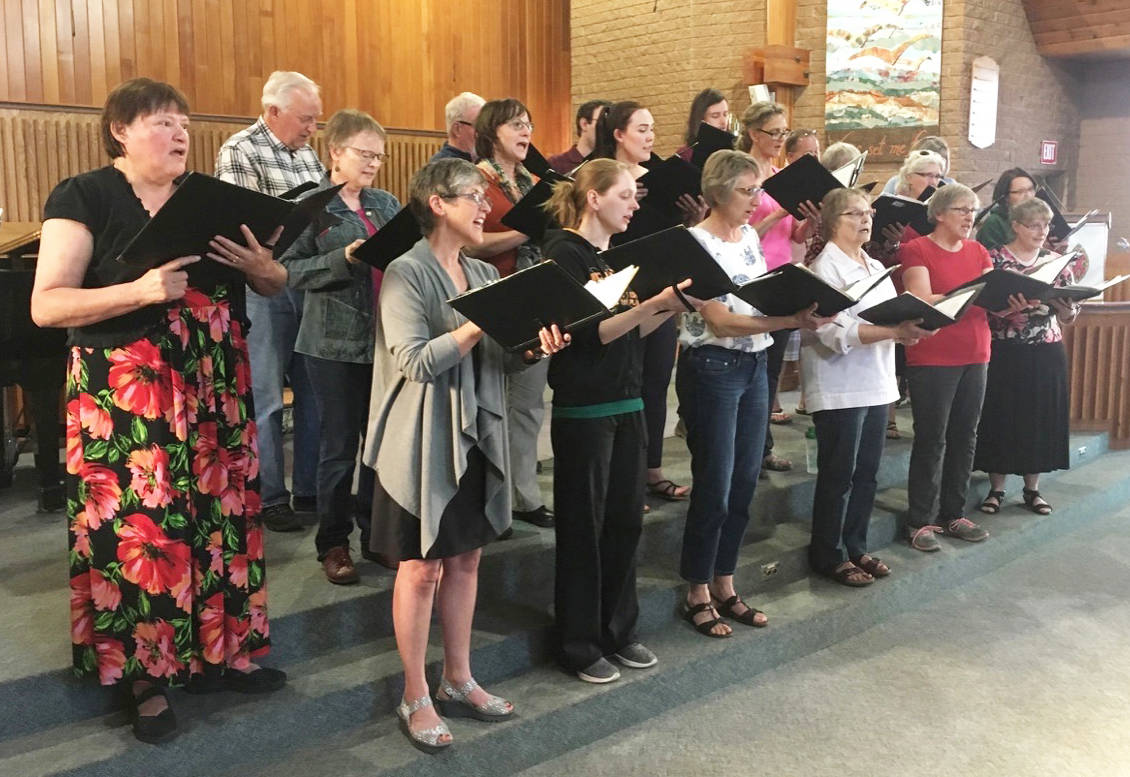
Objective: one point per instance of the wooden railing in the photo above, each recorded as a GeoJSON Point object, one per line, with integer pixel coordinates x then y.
{"type": "Point", "coordinates": [39, 148]}
{"type": "Point", "coordinates": [1098, 354]}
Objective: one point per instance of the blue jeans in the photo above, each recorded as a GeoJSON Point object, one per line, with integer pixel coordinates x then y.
{"type": "Point", "coordinates": [270, 343]}
{"type": "Point", "coordinates": [724, 400]}
{"type": "Point", "coordinates": [850, 446]}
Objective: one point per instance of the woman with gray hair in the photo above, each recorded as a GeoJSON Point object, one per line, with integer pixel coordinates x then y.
{"type": "Point", "coordinates": [1024, 428]}
{"type": "Point", "coordinates": [849, 380]}
{"type": "Point", "coordinates": [437, 440]}
{"type": "Point", "coordinates": [724, 398]}
{"type": "Point", "coordinates": [336, 330]}
{"type": "Point", "coordinates": [946, 373]}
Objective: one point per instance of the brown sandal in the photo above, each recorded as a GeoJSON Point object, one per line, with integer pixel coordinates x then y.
{"type": "Point", "coordinates": [705, 628]}
{"type": "Point", "coordinates": [749, 617]}
{"type": "Point", "coordinates": [872, 566]}
{"type": "Point", "coordinates": [850, 575]}
{"type": "Point", "coordinates": [668, 489]}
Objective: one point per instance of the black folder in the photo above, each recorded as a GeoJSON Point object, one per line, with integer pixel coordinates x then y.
{"type": "Point", "coordinates": [1001, 283]}
{"type": "Point", "coordinates": [528, 215]}
{"type": "Point", "coordinates": [394, 239]}
{"type": "Point", "coordinates": [804, 179]}
{"type": "Point", "coordinates": [513, 309]}
{"type": "Point", "coordinates": [537, 164]}
{"type": "Point", "coordinates": [907, 307]}
{"type": "Point", "coordinates": [666, 181]}
{"type": "Point", "coordinates": [708, 140]}
{"type": "Point", "coordinates": [203, 207]}
{"type": "Point", "coordinates": [1080, 293]}
{"type": "Point", "coordinates": [895, 209]}
{"type": "Point", "coordinates": [668, 257]}
{"type": "Point", "coordinates": [791, 287]}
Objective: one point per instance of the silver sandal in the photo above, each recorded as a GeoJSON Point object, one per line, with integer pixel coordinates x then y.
{"type": "Point", "coordinates": [427, 739]}
{"type": "Point", "coordinates": [454, 703]}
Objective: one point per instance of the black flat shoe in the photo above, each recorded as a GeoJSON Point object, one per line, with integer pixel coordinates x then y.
{"type": "Point", "coordinates": [152, 729]}
{"type": "Point", "coordinates": [542, 517]}
{"type": "Point", "coordinates": [261, 680]}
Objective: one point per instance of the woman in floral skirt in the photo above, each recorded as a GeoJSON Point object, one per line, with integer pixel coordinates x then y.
{"type": "Point", "coordinates": [166, 548]}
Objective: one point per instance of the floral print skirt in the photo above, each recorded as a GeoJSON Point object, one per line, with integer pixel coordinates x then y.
{"type": "Point", "coordinates": [166, 547]}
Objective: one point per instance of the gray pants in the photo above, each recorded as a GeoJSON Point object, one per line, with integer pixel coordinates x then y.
{"type": "Point", "coordinates": [946, 402]}
{"type": "Point", "coordinates": [525, 399]}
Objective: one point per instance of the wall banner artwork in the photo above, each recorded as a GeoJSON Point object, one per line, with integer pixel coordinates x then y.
{"type": "Point", "coordinates": [883, 73]}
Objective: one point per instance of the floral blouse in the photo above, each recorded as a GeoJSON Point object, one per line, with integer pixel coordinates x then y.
{"type": "Point", "coordinates": [1033, 326]}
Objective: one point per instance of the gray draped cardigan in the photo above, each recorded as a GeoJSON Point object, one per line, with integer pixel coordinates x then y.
{"type": "Point", "coordinates": [427, 409]}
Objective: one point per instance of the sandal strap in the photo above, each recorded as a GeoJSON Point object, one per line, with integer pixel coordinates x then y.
{"type": "Point", "coordinates": [414, 706]}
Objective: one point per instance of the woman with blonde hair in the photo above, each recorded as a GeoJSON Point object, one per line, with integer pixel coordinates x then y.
{"type": "Point", "coordinates": [599, 433]}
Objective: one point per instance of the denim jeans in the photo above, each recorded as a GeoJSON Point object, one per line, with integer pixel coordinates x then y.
{"type": "Point", "coordinates": [342, 392]}
{"type": "Point", "coordinates": [724, 397]}
{"type": "Point", "coordinates": [270, 343]}
{"type": "Point", "coordinates": [850, 446]}
{"type": "Point", "coordinates": [946, 402]}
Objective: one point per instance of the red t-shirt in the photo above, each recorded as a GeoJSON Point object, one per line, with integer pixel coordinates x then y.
{"type": "Point", "coordinates": [967, 341]}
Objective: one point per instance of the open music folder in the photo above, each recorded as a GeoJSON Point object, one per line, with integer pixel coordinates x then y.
{"type": "Point", "coordinates": [1037, 283]}
{"type": "Point", "coordinates": [201, 208]}
{"type": "Point", "coordinates": [528, 215]}
{"type": "Point", "coordinates": [668, 257]}
{"type": "Point", "coordinates": [793, 287]}
{"type": "Point", "coordinates": [668, 179]}
{"type": "Point", "coordinates": [896, 209]}
{"type": "Point", "coordinates": [907, 307]}
{"type": "Point", "coordinates": [513, 309]}
{"type": "Point", "coordinates": [807, 179]}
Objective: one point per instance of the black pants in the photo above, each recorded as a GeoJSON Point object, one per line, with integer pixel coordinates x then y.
{"type": "Point", "coordinates": [850, 447]}
{"type": "Point", "coordinates": [598, 485]}
{"type": "Point", "coordinates": [946, 404]}
{"type": "Point", "coordinates": [776, 357]}
{"type": "Point", "coordinates": [658, 362]}
{"type": "Point", "coordinates": [341, 390]}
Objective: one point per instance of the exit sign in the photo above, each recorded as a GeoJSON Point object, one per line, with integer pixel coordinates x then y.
{"type": "Point", "coordinates": [1049, 152]}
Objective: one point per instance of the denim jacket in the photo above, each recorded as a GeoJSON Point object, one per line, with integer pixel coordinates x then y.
{"type": "Point", "coordinates": [337, 315]}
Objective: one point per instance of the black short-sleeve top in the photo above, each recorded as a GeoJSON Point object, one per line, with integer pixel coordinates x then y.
{"type": "Point", "coordinates": [104, 202]}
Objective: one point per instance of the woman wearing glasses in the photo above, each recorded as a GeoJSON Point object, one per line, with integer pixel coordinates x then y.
{"type": "Point", "coordinates": [437, 440]}
{"type": "Point", "coordinates": [849, 380]}
{"type": "Point", "coordinates": [336, 332]}
{"type": "Point", "coordinates": [502, 138]}
{"type": "Point", "coordinates": [1012, 188]}
{"type": "Point", "coordinates": [764, 132]}
{"type": "Point", "coordinates": [1023, 427]}
{"type": "Point", "coordinates": [723, 398]}
{"type": "Point", "coordinates": [946, 373]}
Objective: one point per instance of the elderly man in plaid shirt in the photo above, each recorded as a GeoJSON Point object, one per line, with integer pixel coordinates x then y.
{"type": "Point", "coordinates": [274, 155]}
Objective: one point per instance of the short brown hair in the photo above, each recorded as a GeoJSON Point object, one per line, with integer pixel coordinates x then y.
{"type": "Point", "coordinates": [131, 99]}
{"type": "Point", "coordinates": [443, 177]}
{"type": "Point", "coordinates": [832, 206]}
{"type": "Point", "coordinates": [494, 114]}
{"type": "Point", "coordinates": [721, 173]}
{"type": "Point", "coordinates": [346, 123]}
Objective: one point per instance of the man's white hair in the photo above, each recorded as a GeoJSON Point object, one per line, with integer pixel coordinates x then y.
{"type": "Point", "coordinates": [282, 84]}
{"type": "Point", "coordinates": [458, 106]}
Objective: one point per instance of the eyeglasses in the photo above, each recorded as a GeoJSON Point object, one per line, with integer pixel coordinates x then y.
{"type": "Point", "coordinates": [963, 211]}
{"type": "Point", "coordinates": [478, 198]}
{"type": "Point", "coordinates": [464, 121]}
{"type": "Point", "coordinates": [1025, 190]}
{"type": "Point", "coordinates": [775, 134]}
{"type": "Point", "coordinates": [369, 156]}
{"type": "Point", "coordinates": [749, 191]}
{"type": "Point", "coordinates": [1037, 226]}
{"type": "Point", "coordinates": [931, 176]}
{"type": "Point", "coordinates": [518, 125]}
{"type": "Point", "coordinates": [859, 214]}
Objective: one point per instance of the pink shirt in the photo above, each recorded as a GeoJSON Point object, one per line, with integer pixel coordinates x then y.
{"type": "Point", "coordinates": [777, 243]}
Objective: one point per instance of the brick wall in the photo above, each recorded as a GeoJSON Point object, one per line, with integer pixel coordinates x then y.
{"type": "Point", "coordinates": [662, 52]}
{"type": "Point", "coordinates": [1104, 147]}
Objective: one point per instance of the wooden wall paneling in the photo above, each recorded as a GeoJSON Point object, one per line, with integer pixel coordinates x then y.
{"type": "Point", "coordinates": [113, 48]}
{"type": "Point", "coordinates": [32, 58]}
{"type": "Point", "coordinates": [1098, 348]}
{"type": "Point", "coordinates": [97, 35]}
{"type": "Point", "coordinates": [14, 40]}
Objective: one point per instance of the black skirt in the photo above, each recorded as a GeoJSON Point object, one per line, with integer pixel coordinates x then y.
{"type": "Point", "coordinates": [1024, 420]}
{"type": "Point", "coordinates": [463, 527]}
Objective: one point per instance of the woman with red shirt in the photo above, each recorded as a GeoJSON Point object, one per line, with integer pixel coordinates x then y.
{"type": "Point", "coordinates": [946, 372]}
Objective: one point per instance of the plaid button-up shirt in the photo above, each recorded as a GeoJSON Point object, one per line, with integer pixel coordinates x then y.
{"type": "Point", "coordinates": [254, 158]}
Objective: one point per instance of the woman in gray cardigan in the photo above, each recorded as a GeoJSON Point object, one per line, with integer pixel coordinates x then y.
{"type": "Point", "coordinates": [437, 440]}
{"type": "Point", "coordinates": [336, 330]}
